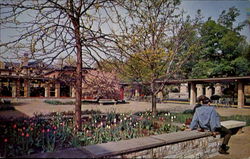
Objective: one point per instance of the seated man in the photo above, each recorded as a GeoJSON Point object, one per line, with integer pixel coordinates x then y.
{"type": "Point", "coordinates": [206, 117]}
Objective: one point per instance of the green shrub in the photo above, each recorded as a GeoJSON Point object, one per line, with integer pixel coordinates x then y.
{"type": "Point", "coordinates": [57, 102]}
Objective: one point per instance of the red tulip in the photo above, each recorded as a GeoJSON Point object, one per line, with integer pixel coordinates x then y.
{"type": "Point", "coordinates": [5, 140]}
{"type": "Point", "coordinates": [14, 126]}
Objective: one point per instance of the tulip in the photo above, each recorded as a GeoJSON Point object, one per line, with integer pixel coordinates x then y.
{"type": "Point", "coordinates": [14, 126]}
{"type": "Point", "coordinates": [5, 140]}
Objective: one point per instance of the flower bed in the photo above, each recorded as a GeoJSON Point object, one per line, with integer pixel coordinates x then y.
{"type": "Point", "coordinates": [26, 136]}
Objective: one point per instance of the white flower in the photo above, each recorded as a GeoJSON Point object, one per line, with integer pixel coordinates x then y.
{"type": "Point", "coordinates": [174, 117]}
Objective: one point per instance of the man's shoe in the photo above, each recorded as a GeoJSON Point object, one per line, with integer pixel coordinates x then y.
{"type": "Point", "coordinates": [227, 148]}
{"type": "Point", "coordinates": [224, 147]}
{"type": "Point", "coordinates": [223, 151]}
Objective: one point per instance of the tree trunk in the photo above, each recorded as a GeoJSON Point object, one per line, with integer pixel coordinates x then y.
{"type": "Point", "coordinates": [153, 99]}
{"type": "Point", "coordinates": [154, 112]}
{"type": "Point", "coordinates": [78, 102]}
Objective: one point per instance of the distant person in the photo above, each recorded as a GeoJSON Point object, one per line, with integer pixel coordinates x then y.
{"type": "Point", "coordinates": [206, 118]}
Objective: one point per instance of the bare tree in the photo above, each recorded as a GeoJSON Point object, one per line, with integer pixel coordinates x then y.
{"type": "Point", "coordinates": [154, 41]}
{"type": "Point", "coordinates": [47, 29]}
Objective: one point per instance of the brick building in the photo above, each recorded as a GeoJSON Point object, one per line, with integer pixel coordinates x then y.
{"type": "Point", "coordinates": [36, 79]}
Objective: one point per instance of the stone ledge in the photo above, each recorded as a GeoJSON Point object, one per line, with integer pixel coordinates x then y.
{"type": "Point", "coordinates": [230, 124]}
{"type": "Point", "coordinates": [181, 136]}
{"type": "Point", "coordinates": [138, 144]}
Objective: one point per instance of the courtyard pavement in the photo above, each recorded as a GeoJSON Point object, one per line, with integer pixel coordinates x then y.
{"type": "Point", "coordinates": [29, 108]}
{"type": "Point", "coordinates": [239, 143]}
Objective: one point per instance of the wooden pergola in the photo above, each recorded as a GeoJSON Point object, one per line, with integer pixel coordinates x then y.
{"type": "Point", "coordinates": [241, 81]}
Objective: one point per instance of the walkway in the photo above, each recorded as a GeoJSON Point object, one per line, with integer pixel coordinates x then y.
{"type": "Point", "coordinates": [31, 107]}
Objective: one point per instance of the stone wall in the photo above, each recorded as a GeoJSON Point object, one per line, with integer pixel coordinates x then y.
{"type": "Point", "coordinates": [198, 148]}
{"type": "Point", "coordinates": [182, 144]}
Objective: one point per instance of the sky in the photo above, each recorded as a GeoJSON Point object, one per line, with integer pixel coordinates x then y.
{"type": "Point", "coordinates": [209, 8]}
{"type": "Point", "coordinates": [213, 8]}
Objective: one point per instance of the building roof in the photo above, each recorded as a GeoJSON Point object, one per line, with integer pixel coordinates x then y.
{"type": "Point", "coordinates": [68, 68]}
{"type": "Point", "coordinates": [199, 80]}
{"type": "Point", "coordinates": [209, 80]}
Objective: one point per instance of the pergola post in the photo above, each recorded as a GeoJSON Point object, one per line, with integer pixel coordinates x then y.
{"type": "Point", "coordinates": [199, 89]}
{"type": "Point", "coordinates": [208, 92]}
{"type": "Point", "coordinates": [18, 88]}
{"type": "Point", "coordinates": [240, 94]}
{"type": "Point", "coordinates": [218, 89]}
{"type": "Point", "coordinates": [14, 89]}
{"type": "Point", "coordinates": [57, 90]}
{"type": "Point", "coordinates": [47, 90]}
{"type": "Point", "coordinates": [137, 93]}
{"type": "Point", "coordinates": [72, 91]}
{"type": "Point", "coordinates": [26, 88]}
{"type": "Point", "coordinates": [192, 94]}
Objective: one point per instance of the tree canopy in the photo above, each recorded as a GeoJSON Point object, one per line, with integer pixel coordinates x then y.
{"type": "Point", "coordinates": [154, 41]}
{"type": "Point", "coordinates": [224, 49]}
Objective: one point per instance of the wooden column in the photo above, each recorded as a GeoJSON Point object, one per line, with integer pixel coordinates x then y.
{"type": "Point", "coordinates": [218, 89]}
{"type": "Point", "coordinates": [240, 94]}
{"type": "Point", "coordinates": [47, 90]}
{"type": "Point", "coordinates": [208, 92]}
{"type": "Point", "coordinates": [199, 89]}
{"type": "Point", "coordinates": [26, 88]}
{"type": "Point", "coordinates": [18, 88]}
{"type": "Point", "coordinates": [73, 91]}
{"type": "Point", "coordinates": [57, 90]}
{"type": "Point", "coordinates": [137, 92]}
{"type": "Point", "coordinates": [192, 94]}
{"type": "Point", "coordinates": [14, 89]}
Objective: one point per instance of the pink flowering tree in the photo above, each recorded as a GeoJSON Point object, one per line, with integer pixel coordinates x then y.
{"type": "Point", "coordinates": [100, 84]}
